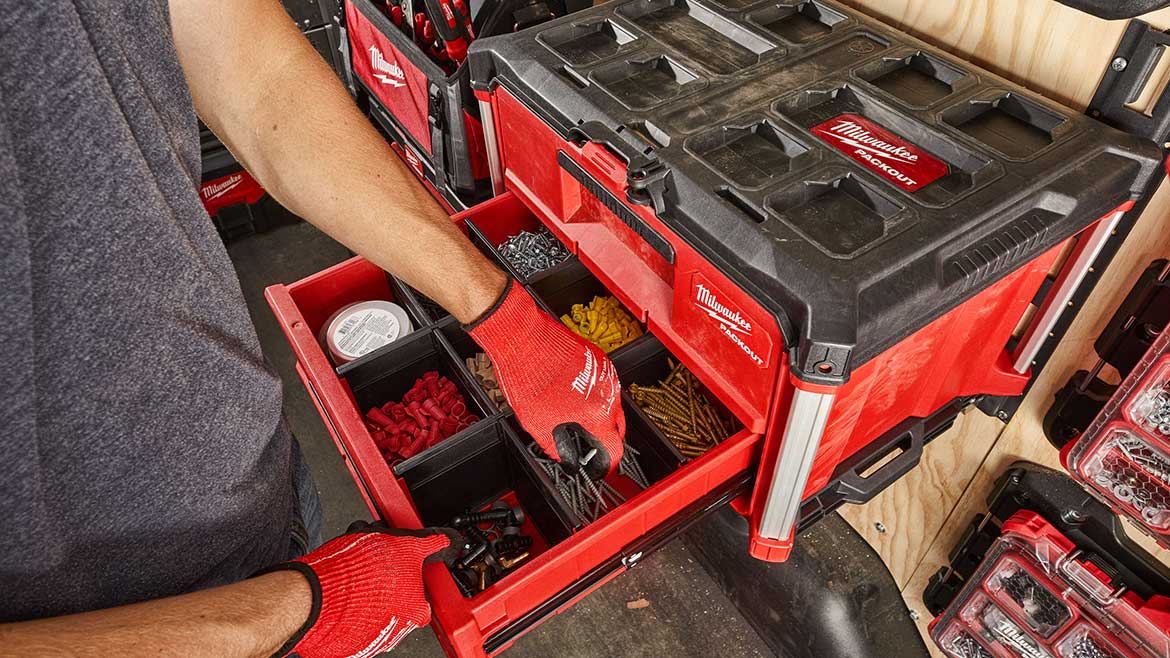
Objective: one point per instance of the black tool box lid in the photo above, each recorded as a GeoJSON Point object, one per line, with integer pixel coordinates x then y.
{"type": "Point", "coordinates": [858, 182]}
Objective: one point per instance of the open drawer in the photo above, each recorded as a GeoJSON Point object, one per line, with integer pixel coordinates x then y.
{"type": "Point", "coordinates": [490, 460]}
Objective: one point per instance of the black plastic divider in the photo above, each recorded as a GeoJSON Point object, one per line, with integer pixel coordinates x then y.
{"type": "Point", "coordinates": [558, 288]}
{"type": "Point", "coordinates": [392, 373]}
{"type": "Point", "coordinates": [645, 364]}
{"type": "Point", "coordinates": [480, 470]}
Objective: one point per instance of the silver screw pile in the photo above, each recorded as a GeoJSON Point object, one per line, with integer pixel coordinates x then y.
{"type": "Point", "coordinates": [1154, 410]}
{"type": "Point", "coordinates": [1085, 647]}
{"type": "Point", "coordinates": [531, 252]}
{"type": "Point", "coordinates": [968, 647]}
{"type": "Point", "coordinates": [587, 499]}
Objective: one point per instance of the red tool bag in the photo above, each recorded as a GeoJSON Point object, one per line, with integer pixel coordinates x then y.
{"type": "Point", "coordinates": [431, 114]}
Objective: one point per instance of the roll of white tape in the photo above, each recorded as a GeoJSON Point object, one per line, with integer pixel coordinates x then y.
{"type": "Point", "coordinates": [361, 328]}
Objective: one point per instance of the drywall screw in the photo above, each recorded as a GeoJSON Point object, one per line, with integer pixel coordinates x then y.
{"type": "Point", "coordinates": [1119, 64]}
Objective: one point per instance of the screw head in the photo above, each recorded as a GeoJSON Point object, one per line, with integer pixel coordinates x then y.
{"type": "Point", "coordinates": [880, 527]}
{"type": "Point", "coordinates": [1119, 64]}
{"type": "Point", "coordinates": [914, 615]}
{"type": "Point", "coordinates": [1073, 516]}
{"type": "Point", "coordinates": [1002, 415]}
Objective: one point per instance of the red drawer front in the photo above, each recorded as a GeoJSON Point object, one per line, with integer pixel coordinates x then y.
{"type": "Point", "coordinates": [569, 560]}
{"type": "Point", "coordinates": [691, 307]}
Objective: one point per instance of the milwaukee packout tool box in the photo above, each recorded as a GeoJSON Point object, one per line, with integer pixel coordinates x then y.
{"type": "Point", "coordinates": [835, 226]}
{"type": "Point", "coordinates": [428, 110]}
{"type": "Point", "coordinates": [1123, 457]}
{"type": "Point", "coordinates": [1036, 595]}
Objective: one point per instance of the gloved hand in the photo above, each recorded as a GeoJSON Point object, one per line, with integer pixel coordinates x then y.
{"type": "Point", "coordinates": [367, 590]}
{"type": "Point", "coordinates": [564, 390]}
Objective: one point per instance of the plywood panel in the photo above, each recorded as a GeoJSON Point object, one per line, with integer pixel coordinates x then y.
{"type": "Point", "coordinates": [1060, 53]}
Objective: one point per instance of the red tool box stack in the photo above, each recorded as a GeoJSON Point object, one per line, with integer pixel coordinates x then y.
{"type": "Point", "coordinates": [836, 228]}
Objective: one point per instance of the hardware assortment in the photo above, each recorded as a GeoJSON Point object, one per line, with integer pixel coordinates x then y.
{"type": "Point", "coordinates": [590, 500]}
{"type": "Point", "coordinates": [431, 411]}
{"type": "Point", "coordinates": [530, 252]}
{"type": "Point", "coordinates": [681, 412]}
{"type": "Point", "coordinates": [603, 322]}
{"type": "Point", "coordinates": [484, 372]}
{"type": "Point", "coordinates": [495, 544]}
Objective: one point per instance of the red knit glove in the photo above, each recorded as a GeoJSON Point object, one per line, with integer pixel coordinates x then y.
{"type": "Point", "coordinates": [564, 390]}
{"type": "Point", "coordinates": [367, 590]}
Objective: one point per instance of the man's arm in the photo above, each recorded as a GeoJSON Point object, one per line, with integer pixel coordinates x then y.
{"type": "Point", "coordinates": [250, 619]}
{"type": "Point", "coordinates": [270, 97]}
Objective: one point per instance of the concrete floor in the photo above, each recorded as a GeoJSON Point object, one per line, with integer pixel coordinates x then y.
{"type": "Point", "coordinates": [688, 615]}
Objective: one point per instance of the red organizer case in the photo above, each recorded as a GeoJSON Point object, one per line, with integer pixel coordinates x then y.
{"type": "Point", "coordinates": [1123, 457]}
{"type": "Point", "coordinates": [1058, 605]}
{"type": "Point", "coordinates": [551, 581]}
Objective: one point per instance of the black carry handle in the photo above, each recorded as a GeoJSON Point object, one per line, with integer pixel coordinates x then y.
{"type": "Point", "coordinates": [623, 212]}
{"type": "Point", "coordinates": [639, 162]}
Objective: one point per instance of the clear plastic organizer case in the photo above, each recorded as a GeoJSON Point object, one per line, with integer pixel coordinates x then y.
{"type": "Point", "coordinates": [1123, 457]}
{"type": "Point", "coordinates": [1035, 595]}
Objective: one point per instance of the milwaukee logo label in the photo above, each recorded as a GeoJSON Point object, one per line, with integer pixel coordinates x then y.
{"type": "Point", "coordinates": [216, 190]}
{"type": "Point", "coordinates": [730, 322]}
{"type": "Point", "coordinates": [1011, 635]}
{"type": "Point", "coordinates": [893, 158]}
{"type": "Point", "coordinates": [584, 381]}
{"type": "Point", "coordinates": [710, 303]}
{"type": "Point", "coordinates": [388, 73]}
{"type": "Point", "coordinates": [855, 135]}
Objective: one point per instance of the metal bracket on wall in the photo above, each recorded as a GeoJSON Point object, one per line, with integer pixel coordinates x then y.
{"type": "Point", "coordinates": [1130, 71]}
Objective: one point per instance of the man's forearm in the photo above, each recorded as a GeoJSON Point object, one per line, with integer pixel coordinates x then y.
{"type": "Point", "coordinates": [263, 89]}
{"type": "Point", "coordinates": [249, 619]}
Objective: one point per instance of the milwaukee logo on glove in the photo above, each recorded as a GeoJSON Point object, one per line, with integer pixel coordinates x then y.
{"type": "Point", "coordinates": [892, 157]}
{"type": "Point", "coordinates": [391, 73]}
{"type": "Point", "coordinates": [584, 381]}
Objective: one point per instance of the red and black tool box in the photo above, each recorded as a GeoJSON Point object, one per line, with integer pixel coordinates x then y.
{"type": "Point", "coordinates": [1123, 456]}
{"type": "Point", "coordinates": [834, 225]}
{"type": "Point", "coordinates": [1063, 582]}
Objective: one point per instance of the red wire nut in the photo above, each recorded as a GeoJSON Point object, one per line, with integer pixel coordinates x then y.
{"type": "Point", "coordinates": [431, 411]}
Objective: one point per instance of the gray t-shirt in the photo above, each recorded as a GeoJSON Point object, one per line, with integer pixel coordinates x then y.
{"type": "Point", "coordinates": [142, 452]}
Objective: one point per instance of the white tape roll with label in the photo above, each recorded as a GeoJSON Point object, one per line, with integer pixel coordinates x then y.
{"type": "Point", "coordinates": [361, 328]}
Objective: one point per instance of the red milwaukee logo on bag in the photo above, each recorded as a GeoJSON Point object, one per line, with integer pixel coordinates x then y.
{"type": "Point", "coordinates": [895, 159]}
{"type": "Point", "coordinates": [388, 73]}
